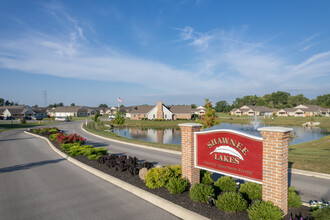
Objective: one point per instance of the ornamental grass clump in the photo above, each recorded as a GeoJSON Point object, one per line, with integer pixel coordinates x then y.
{"type": "Point", "coordinates": [226, 183]}
{"type": "Point", "coordinates": [201, 192]}
{"type": "Point", "coordinates": [294, 199]}
{"type": "Point", "coordinates": [321, 214]}
{"type": "Point", "coordinates": [264, 210]}
{"type": "Point", "coordinates": [251, 191]}
{"type": "Point", "coordinates": [231, 202]}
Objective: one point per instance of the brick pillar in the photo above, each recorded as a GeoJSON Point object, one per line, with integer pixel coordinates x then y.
{"type": "Point", "coordinates": [275, 166]}
{"type": "Point", "coordinates": [187, 150]}
{"type": "Point", "coordinates": [160, 114]}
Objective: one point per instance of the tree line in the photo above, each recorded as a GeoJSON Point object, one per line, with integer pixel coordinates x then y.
{"type": "Point", "coordinates": [276, 100]}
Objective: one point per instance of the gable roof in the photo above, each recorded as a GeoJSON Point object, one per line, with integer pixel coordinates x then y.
{"type": "Point", "coordinates": [69, 108]}
{"type": "Point", "coordinates": [140, 109]}
{"type": "Point", "coordinates": [179, 108]}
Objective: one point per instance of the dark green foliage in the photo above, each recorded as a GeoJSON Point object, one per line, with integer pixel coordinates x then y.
{"type": "Point", "coordinates": [159, 176]}
{"type": "Point", "coordinates": [294, 199]}
{"type": "Point", "coordinates": [96, 117]}
{"type": "Point", "coordinates": [226, 183]}
{"type": "Point", "coordinates": [321, 214]}
{"type": "Point", "coordinates": [251, 191]}
{"type": "Point", "coordinates": [206, 177]}
{"type": "Point", "coordinates": [264, 210]}
{"type": "Point", "coordinates": [177, 185]}
{"type": "Point", "coordinates": [200, 192]}
{"type": "Point", "coordinates": [231, 202]}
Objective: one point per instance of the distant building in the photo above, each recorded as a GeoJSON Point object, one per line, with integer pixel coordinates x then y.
{"type": "Point", "coordinates": [160, 111]}
{"type": "Point", "coordinates": [78, 111]}
{"type": "Point", "coordinates": [252, 110]}
{"type": "Point", "coordinates": [304, 111]}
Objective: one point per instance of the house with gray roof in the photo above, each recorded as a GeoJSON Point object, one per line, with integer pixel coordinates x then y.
{"type": "Point", "coordinates": [67, 111]}
{"type": "Point", "coordinates": [305, 111]}
{"type": "Point", "coordinates": [252, 110]}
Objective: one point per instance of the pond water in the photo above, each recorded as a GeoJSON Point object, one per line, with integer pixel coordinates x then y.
{"type": "Point", "coordinates": [173, 136]}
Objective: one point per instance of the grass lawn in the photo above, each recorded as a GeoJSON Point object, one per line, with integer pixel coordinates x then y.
{"type": "Point", "coordinates": [313, 156]}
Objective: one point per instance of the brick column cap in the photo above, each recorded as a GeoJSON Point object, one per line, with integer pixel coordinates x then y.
{"type": "Point", "coordinates": [190, 125]}
{"type": "Point", "coordinates": [275, 129]}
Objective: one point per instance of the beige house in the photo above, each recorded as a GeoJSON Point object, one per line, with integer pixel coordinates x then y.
{"type": "Point", "coordinates": [66, 111]}
{"type": "Point", "coordinates": [252, 110]}
{"type": "Point", "coordinates": [160, 111]}
{"type": "Point", "coordinates": [200, 110]}
{"type": "Point", "coordinates": [304, 111]}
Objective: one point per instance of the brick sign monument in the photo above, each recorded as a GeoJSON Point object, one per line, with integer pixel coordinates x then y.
{"type": "Point", "coordinates": [261, 160]}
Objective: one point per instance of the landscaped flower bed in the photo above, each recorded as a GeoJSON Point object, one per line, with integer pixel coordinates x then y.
{"type": "Point", "coordinates": [208, 198]}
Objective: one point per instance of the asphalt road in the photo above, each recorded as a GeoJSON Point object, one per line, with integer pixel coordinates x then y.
{"type": "Point", "coordinates": [310, 188]}
{"type": "Point", "coordinates": [36, 183]}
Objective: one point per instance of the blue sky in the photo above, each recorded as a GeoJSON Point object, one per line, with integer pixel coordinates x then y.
{"type": "Point", "coordinates": [180, 52]}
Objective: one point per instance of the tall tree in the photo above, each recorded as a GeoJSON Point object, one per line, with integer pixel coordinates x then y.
{"type": "Point", "coordinates": [221, 106]}
{"type": "Point", "coordinates": [193, 106]}
{"type": "Point", "coordinates": [72, 104]}
{"type": "Point", "coordinates": [2, 101]}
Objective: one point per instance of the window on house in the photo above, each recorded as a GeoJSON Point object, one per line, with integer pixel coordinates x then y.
{"type": "Point", "coordinates": [154, 116]}
{"type": "Point", "coordinates": [134, 115]}
{"type": "Point", "coordinates": [165, 116]}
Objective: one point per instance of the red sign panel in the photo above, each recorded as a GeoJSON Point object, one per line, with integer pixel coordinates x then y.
{"type": "Point", "coordinates": [230, 153]}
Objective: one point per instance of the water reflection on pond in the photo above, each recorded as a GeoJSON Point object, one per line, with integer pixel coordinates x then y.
{"type": "Point", "coordinates": [173, 136]}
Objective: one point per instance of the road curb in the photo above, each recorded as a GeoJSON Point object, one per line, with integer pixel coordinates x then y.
{"type": "Point", "coordinates": [134, 145]}
{"type": "Point", "coordinates": [294, 171]}
{"type": "Point", "coordinates": [156, 200]}
{"type": "Point", "coordinates": [309, 173]}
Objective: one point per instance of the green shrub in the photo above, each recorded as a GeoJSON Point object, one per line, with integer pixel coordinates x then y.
{"type": "Point", "coordinates": [94, 153]}
{"type": "Point", "coordinates": [53, 131]}
{"type": "Point", "coordinates": [226, 183]}
{"type": "Point", "coordinates": [36, 130]}
{"type": "Point", "coordinates": [177, 185]}
{"type": "Point", "coordinates": [294, 199]}
{"type": "Point", "coordinates": [206, 177]}
{"type": "Point", "coordinates": [53, 137]}
{"type": "Point", "coordinates": [67, 147]}
{"type": "Point", "coordinates": [77, 150]}
{"type": "Point", "coordinates": [231, 202]}
{"type": "Point", "coordinates": [159, 176]}
{"type": "Point", "coordinates": [200, 192]}
{"type": "Point", "coordinates": [321, 214]}
{"type": "Point", "coordinates": [23, 121]}
{"type": "Point", "coordinates": [251, 191]}
{"type": "Point", "coordinates": [264, 210]}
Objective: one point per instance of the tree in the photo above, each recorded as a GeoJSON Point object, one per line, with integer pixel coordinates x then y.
{"type": "Point", "coordinates": [209, 119]}
{"type": "Point", "coordinates": [2, 101]}
{"type": "Point", "coordinates": [72, 104]}
{"type": "Point", "coordinates": [221, 106]}
{"type": "Point", "coordinates": [35, 106]}
{"type": "Point", "coordinates": [119, 119]}
{"type": "Point", "coordinates": [323, 100]}
{"type": "Point", "coordinates": [103, 106]}
{"type": "Point", "coordinates": [297, 100]}
{"type": "Point", "coordinates": [278, 99]}
{"type": "Point", "coordinates": [193, 106]}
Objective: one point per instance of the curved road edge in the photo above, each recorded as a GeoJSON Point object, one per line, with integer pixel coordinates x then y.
{"type": "Point", "coordinates": [294, 171]}
{"type": "Point", "coordinates": [156, 200]}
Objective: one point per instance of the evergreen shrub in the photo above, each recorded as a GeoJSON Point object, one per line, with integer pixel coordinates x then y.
{"type": "Point", "coordinates": [159, 176]}
{"type": "Point", "coordinates": [200, 192]}
{"type": "Point", "coordinates": [231, 202]}
{"type": "Point", "coordinates": [321, 214]}
{"type": "Point", "coordinates": [251, 191]}
{"type": "Point", "coordinates": [264, 210]}
{"type": "Point", "coordinates": [206, 177]}
{"type": "Point", "coordinates": [294, 199]}
{"type": "Point", "coordinates": [226, 183]}
{"type": "Point", "coordinates": [177, 185]}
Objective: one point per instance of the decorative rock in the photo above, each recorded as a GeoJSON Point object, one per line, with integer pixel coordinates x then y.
{"type": "Point", "coordinates": [143, 173]}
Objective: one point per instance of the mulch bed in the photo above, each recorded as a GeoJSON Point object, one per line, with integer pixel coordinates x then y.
{"type": "Point", "coordinates": [183, 199]}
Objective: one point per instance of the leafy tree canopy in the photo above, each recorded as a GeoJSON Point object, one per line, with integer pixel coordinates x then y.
{"type": "Point", "coordinates": [103, 106]}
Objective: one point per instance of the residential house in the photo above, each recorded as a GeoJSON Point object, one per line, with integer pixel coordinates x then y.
{"type": "Point", "coordinates": [18, 113]}
{"type": "Point", "coordinates": [304, 111]}
{"type": "Point", "coordinates": [40, 112]}
{"type": "Point", "coordinates": [252, 110]}
{"type": "Point", "coordinates": [66, 111]}
{"type": "Point", "coordinates": [160, 111]}
{"type": "Point", "coordinates": [200, 110]}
